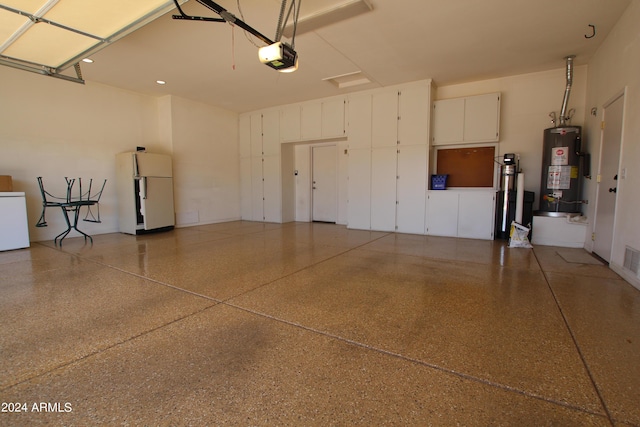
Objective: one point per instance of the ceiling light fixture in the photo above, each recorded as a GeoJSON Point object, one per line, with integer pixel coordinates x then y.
{"type": "Point", "coordinates": [332, 15]}
{"type": "Point", "coordinates": [88, 60]}
{"type": "Point", "coordinates": [161, 82]}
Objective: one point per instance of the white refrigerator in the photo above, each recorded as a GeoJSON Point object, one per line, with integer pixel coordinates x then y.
{"type": "Point", "coordinates": [14, 229]}
{"type": "Point", "coordinates": [144, 184]}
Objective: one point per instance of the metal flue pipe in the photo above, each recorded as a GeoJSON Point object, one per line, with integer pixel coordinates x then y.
{"type": "Point", "coordinates": [567, 91]}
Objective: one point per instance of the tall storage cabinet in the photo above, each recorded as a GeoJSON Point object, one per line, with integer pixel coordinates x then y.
{"type": "Point", "coordinates": [144, 183]}
{"type": "Point", "coordinates": [396, 122]}
{"type": "Point", "coordinates": [359, 162]}
{"type": "Point", "coordinates": [260, 166]}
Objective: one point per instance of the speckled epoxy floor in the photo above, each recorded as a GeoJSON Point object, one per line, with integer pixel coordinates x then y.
{"type": "Point", "coordinates": [246, 323]}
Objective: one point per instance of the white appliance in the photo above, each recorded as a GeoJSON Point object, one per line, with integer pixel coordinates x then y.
{"type": "Point", "coordinates": [14, 228]}
{"type": "Point", "coordinates": [144, 184]}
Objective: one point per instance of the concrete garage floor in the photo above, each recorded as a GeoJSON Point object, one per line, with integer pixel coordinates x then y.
{"type": "Point", "coordinates": [246, 323]}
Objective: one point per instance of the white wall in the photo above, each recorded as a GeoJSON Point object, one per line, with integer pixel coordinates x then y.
{"type": "Point", "coordinates": [526, 102]}
{"type": "Point", "coordinates": [54, 128]}
{"type": "Point", "coordinates": [616, 65]}
{"type": "Point", "coordinates": [206, 163]}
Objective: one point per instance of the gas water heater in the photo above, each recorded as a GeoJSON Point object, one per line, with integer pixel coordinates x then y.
{"type": "Point", "coordinates": [560, 182]}
{"type": "Point", "coordinates": [563, 162]}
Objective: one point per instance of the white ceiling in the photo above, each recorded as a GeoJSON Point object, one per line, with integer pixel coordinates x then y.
{"type": "Point", "coordinates": [451, 41]}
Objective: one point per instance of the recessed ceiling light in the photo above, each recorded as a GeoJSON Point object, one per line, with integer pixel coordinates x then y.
{"type": "Point", "coordinates": [161, 82]}
{"type": "Point", "coordinates": [88, 60]}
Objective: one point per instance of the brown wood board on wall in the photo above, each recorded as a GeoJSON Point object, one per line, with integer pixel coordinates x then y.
{"type": "Point", "coordinates": [467, 167]}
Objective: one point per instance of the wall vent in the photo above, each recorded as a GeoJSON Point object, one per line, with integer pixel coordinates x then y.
{"type": "Point", "coordinates": [632, 260]}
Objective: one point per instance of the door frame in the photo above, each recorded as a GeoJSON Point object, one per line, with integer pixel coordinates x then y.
{"type": "Point", "coordinates": [622, 94]}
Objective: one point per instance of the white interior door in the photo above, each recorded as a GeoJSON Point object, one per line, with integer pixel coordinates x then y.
{"type": "Point", "coordinates": [325, 183]}
{"type": "Point", "coordinates": [608, 178]}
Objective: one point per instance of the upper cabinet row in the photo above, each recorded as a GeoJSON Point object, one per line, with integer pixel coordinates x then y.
{"type": "Point", "coordinates": [314, 120]}
{"type": "Point", "coordinates": [467, 120]}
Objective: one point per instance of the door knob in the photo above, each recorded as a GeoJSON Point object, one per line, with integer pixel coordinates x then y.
{"type": "Point", "coordinates": [613, 190]}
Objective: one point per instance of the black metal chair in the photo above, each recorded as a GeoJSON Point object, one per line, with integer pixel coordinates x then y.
{"type": "Point", "coordinates": [90, 217]}
{"type": "Point", "coordinates": [48, 200]}
{"type": "Point", "coordinates": [70, 204]}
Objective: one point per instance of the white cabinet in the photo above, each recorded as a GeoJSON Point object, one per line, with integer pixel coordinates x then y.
{"type": "Point", "coordinates": [442, 213]}
{"type": "Point", "coordinates": [413, 115]}
{"type": "Point", "coordinates": [468, 214]}
{"type": "Point", "coordinates": [315, 120]}
{"type": "Point", "coordinates": [333, 118]}
{"type": "Point", "coordinates": [311, 121]}
{"type": "Point", "coordinates": [260, 170]}
{"type": "Point", "coordinates": [246, 192]}
{"type": "Point", "coordinates": [411, 189]}
{"type": "Point", "coordinates": [467, 120]}
{"type": "Point", "coordinates": [392, 125]}
{"type": "Point", "coordinates": [384, 114]}
{"type": "Point", "coordinates": [290, 123]}
{"type": "Point", "coordinates": [448, 121]}
{"type": "Point", "coordinates": [476, 215]}
{"type": "Point", "coordinates": [383, 188]}
{"type": "Point", "coordinates": [360, 121]}
{"type": "Point", "coordinates": [359, 189]}
{"type": "Point", "coordinates": [482, 118]}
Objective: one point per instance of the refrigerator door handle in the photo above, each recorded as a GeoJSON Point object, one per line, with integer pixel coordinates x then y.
{"type": "Point", "coordinates": [136, 170]}
{"type": "Point", "coordinates": [143, 188]}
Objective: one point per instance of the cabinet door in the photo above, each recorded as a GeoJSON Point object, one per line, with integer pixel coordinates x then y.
{"type": "Point", "coordinates": [442, 213]}
{"type": "Point", "coordinates": [257, 189]}
{"type": "Point", "coordinates": [413, 110]}
{"type": "Point", "coordinates": [482, 118]}
{"type": "Point", "coordinates": [311, 127]}
{"type": "Point", "coordinates": [412, 189]}
{"type": "Point", "coordinates": [448, 121]}
{"type": "Point", "coordinates": [476, 215]}
{"type": "Point", "coordinates": [385, 119]}
{"type": "Point", "coordinates": [290, 123]}
{"type": "Point", "coordinates": [244, 133]}
{"type": "Point", "coordinates": [360, 121]}
{"type": "Point", "coordinates": [383, 188]}
{"type": "Point", "coordinates": [246, 212]}
{"type": "Point", "coordinates": [271, 133]}
{"type": "Point", "coordinates": [256, 135]}
{"type": "Point", "coordinates": [272, 189]}
{"type": "Point", "coordinates": [359, 189]}
{"type": "Point", "coordinates": [333, 118]}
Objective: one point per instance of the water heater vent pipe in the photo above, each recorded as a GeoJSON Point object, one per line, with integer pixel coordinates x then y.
{"type": "Point", "coordinates": [563, 112]}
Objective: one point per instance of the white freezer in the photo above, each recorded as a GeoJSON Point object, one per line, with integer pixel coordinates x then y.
{"type": "Point", "coordinates": [14, 227]}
